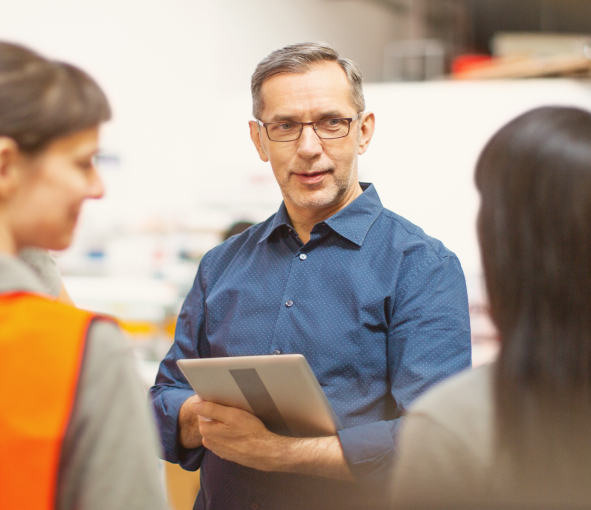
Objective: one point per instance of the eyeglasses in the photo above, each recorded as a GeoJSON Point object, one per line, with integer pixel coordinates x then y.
{"type": "Point", "coordinates": [289, 131]}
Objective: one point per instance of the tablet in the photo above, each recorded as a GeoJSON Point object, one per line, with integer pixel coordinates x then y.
{"type": "Point", "coordinates": [281, 391]}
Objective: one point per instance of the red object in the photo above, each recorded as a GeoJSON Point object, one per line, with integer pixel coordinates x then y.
{"type": "Point", "coordinates": [469, 62]}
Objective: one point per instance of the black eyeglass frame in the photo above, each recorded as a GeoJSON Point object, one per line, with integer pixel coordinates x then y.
{"type": "Point", "coordinates": [313, 124]}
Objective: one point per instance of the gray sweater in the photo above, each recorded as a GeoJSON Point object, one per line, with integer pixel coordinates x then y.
{"type": "Point", "coordinates": [448, 457]}
{"type": "Point", "coordinates": [109, 456]}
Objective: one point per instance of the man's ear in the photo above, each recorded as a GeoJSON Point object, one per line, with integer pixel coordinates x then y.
{"type": "Point", "coordinates": [368, 125]}
{"type": "Point", "coordinates": [9, 153]}
{"type": "Point", "coordinates": [255, 136]}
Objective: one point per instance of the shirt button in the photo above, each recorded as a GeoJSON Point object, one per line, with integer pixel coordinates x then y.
{"type": "Point", "coordinates": [303, 256]}
{"type": "Point", "coordinates": [289, 303]}
{"type": "Point", "coordinates": [276, 351]}
{"type": "Point", "coordinates": [254, 506]}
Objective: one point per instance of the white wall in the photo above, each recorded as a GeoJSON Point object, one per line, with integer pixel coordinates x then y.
{"type": "Point", "coordinates": [428, 139]}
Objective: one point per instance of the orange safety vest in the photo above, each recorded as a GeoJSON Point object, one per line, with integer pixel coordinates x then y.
{"type": "Point", "coordinates": [41, 350]}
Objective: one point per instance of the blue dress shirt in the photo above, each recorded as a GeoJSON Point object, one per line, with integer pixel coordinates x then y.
{"type": "Point", "coordinates": [378, 308]}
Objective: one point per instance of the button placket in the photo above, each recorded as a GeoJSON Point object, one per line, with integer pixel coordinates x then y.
{"type": "Point", "coordinates": [280, 341]}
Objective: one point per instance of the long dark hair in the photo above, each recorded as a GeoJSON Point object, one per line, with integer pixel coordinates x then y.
{"type": "Point", "coordinates": [42, 100]}
{"type": "Point", "coordinates": [534, 228]}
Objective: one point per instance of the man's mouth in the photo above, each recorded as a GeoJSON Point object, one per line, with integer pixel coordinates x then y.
{"type": "Point", "coordinates": [312, 177]}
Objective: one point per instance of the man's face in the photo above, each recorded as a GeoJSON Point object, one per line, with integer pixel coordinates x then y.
{"type": "Point", "coordinates": [312, 173]}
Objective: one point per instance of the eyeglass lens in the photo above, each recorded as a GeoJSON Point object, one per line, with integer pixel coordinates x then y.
{"type": "Point", "coordinates": [327, 128]}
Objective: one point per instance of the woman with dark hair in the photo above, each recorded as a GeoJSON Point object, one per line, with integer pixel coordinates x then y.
{"type": "Point", "coordinates": [518, 432]}
{"type": "Point", "coordinates": [74, 427]}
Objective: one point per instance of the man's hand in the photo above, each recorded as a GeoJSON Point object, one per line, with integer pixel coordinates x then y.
{"type": "Point", "coordinates": [189, 433]}
{"type": "Point", "coordinates": [240, 437]}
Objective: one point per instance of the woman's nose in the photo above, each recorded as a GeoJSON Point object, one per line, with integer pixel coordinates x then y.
{"type": "Point", "coordinates": [96, 187]}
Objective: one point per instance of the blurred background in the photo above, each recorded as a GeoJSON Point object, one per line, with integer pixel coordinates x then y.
{"type": "Point", "coordinates": [180, 169]}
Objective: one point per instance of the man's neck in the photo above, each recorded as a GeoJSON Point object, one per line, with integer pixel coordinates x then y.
{"type": "Point", "coordinates": [303, 220]}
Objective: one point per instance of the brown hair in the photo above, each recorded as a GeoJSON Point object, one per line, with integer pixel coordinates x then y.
{"type": "Point", "coordinates": [42, 100]}
{"type": "Point", "coordinates": [299, 58]}
{"type": "Point", "coordinates": [534, 228]}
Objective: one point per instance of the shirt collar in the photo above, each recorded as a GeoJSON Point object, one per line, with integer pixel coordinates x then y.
{"type": "Point", "coordinates": [15, 275]}
{"type": "Point", "coordinates": [281, 218]}
{"type": "Point", "coordinates": [352, 222]}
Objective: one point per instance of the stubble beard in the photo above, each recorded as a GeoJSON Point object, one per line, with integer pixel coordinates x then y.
{"type": "Point", "coordinates": [330, 194]}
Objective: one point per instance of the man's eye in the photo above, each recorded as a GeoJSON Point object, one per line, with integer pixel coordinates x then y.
{"type": "Point", "coordinates": [330, 123]}
{"type": "Point", "coordinates": [282, 127]}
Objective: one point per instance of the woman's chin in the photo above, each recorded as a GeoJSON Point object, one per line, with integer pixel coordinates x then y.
{"type": "Point", "coordinates": [61, 244]}
{"type": "Point", "coordinates": [57, 243]}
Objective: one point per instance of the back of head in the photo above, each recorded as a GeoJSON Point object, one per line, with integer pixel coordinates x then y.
{"type": "Point", "coordinates": [299, 58]}
{"type": "Point", "coordinates": [534, 228]}
{"type": "Point", "coordinates": [42, 100]}
{"type": "Point", "coordinates": [237, 228]}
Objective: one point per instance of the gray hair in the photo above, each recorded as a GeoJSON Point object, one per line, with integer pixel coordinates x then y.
{"type": "Point", "coordinates": [299, 58]}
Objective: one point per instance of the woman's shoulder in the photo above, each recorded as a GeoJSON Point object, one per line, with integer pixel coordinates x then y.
{"type": "Point", "coordinates": [462, 404]}
{"type": "Point", "coordinates": [445, 444]}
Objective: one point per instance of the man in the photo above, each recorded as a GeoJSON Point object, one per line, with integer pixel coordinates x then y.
{"type": "Point", "coordinates": [378, 308]}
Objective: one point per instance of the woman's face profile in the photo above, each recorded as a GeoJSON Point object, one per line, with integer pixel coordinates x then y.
{"type": "Point", "coordinates": [53, 185]}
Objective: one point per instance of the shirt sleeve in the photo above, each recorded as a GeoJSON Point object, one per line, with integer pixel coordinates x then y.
{"type": "Point", "coordinates": [109, 456]}
{"type": "Point", "coordinates": [171, 388]}
{"type": "Point", "coordinates": [428, 341]}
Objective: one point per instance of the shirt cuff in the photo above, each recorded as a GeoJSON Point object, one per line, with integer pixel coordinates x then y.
{"type": "Point", "coordinates": [369, 451]}
{"type": "Point", "coordinates": [188, 459]}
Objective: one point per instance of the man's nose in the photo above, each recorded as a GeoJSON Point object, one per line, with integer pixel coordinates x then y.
{"type": "Point", "coordinates": [309, 144]}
